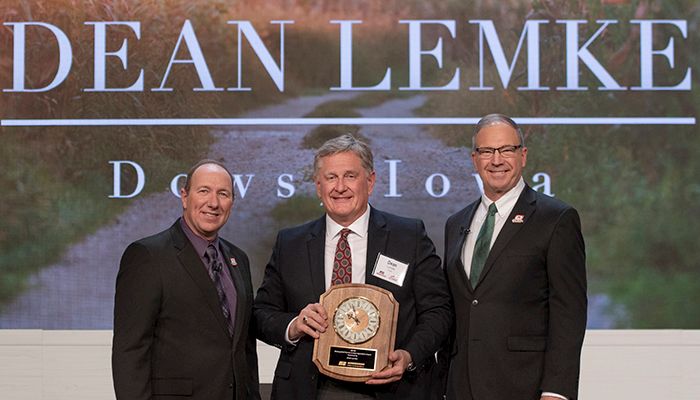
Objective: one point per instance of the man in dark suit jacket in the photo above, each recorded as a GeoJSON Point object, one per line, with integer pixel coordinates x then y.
{"type": "Point", "coordinates": [520, 307]}
{"type": "Point", "coordinates": [286, 307]}
{"type": "Point", "coordinates": [183, 303]}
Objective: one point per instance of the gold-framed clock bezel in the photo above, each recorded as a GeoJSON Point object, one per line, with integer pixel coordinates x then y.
{"type": "Point", "coordinates": [376, 309]}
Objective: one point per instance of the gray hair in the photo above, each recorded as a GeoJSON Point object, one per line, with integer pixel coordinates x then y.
{"type": "Point", "coordinates": [206, 161]}
{"type": "Point", "coordinates": [492, 119]}
{"type": "Point", "coordinates": [342, 144]}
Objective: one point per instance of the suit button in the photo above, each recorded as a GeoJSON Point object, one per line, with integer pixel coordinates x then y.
{"type": "Point", "coordinates": [475, 302]}
{"type": "Point", "coordinates": [230, 385]}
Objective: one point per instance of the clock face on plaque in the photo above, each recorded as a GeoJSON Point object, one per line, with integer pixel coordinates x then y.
{"type": "Point", "coordinates": [356, 320]}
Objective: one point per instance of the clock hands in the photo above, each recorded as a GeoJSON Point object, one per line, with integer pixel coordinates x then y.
{"type": "Point", "coordinates": [356, 320]}
{"type": "Point", "coordinates": [353, 315]}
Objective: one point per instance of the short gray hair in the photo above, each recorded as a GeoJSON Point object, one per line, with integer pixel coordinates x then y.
{"type": "Point", "coordinates": [497, 119]}
{"type": "Point", "coordinates": [344, 143]}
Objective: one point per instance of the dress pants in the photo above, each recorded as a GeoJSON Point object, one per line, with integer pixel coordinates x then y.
{"type": "Point", "coordinates": [332, 389]}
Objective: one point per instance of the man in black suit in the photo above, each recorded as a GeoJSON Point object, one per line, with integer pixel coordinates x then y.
{"type": "Point", "coordinates": [301, 268]}
{"type": "Point", "coordinates": [515, 263]}
{"type": "Point", "coordinates": [182, 310]}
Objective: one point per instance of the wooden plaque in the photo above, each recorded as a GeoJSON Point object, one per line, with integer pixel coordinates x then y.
{"type": "Point", "coordinates": [361, 331]}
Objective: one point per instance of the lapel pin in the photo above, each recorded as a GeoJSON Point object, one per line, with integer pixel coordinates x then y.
{"type": "Point", "coordinates": [233, 261]}
{"type": "Point", "coordinates": [519, 219]}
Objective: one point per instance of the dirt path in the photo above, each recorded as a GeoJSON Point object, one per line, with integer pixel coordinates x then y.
{"type": "Point", "coordinates": [77, 292]}
{"type": "Point", "coordinates": [421, 156]}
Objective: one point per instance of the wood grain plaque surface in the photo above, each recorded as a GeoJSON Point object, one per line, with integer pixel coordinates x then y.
{"type": "Point", "coordinates": [356, 351]}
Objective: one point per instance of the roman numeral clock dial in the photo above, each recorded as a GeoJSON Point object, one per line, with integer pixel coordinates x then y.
{"type": "Point", "coordinates": [356, 320]}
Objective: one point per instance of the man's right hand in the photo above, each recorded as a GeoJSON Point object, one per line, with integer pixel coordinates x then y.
{"type": "Point", "coordinates": [310, 321]}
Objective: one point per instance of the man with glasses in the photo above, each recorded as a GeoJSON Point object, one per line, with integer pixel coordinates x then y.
{"type": "Point", "coordinates": [515, 263]}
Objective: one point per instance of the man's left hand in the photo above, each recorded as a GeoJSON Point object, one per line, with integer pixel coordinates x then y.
{"type": "Point", "coordinates": [550, 398]}
{"type": "Point", "coordinates": [399, 361]}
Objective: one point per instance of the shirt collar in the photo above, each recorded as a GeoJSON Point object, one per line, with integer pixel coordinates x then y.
{"type": "Point", "coordinates": [358, 227]}
{"type": "Point", "coordinates": [506, 203]}
{"type": "Point", "coordinates": [199, 243]}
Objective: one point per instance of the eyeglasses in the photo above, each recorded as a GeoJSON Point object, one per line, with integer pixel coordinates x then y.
{"type": "Point", "coordinates": [507, 151]}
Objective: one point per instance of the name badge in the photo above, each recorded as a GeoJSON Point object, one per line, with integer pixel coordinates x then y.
{"type": "Point", "coordinates": [390, 270]}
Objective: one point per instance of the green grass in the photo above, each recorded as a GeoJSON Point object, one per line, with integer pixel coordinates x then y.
{"type": "Point", "coordinates": [634, 187]}
{"type": "Point", "coordinates": [343, 108]}
{"type": "Point", "coordinates": [322, 133]}
{"type": "Point", "coordinates": [54, 194]}
{"type": "Point", "coordinates": [56, 181]}
{"type": "Point", "coordinates": [347, 108]}
{"type": "Point", "coordinates": [296, 210]}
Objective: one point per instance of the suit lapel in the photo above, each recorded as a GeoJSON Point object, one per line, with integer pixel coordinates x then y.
{"type": "Point", "coordinates": [242, 300]}
{"type": "Point", "coordinates": [191, 262]}
{"type": "Point", "coordinates": [525, 206]}
{"type": "Point", "coordinates": [315, 246]}
{"type": "Point", "coordinates": [455, 256]}
{"type": "Point", "coordinates": [377, 236]}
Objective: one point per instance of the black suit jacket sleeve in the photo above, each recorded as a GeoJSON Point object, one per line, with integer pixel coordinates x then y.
{"type": "Point", "coordinates": [270, 308]}
{"type": "Point", "coordinates": [433, 308]}
{"type": "Point", "coordinates": [253, 384]}
{"type": "Point", "coordinates": [251, 349]}
{"type": "Point", "coordinates": [136, 306]}
{"type": "Point", "coordinates": [566, 272]}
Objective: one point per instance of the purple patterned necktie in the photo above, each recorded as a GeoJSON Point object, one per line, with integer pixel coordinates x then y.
{"type": "Point", "coordinates": [214, 269]}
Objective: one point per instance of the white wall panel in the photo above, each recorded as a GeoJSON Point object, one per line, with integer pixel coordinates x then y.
{"type": "Point", "coordinates": [625, 364]}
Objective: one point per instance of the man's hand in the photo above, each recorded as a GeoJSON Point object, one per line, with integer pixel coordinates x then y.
{"type": "Point", "coordinates": [310, 321]}
{"type": "Point", "coordinates": [399, 360]}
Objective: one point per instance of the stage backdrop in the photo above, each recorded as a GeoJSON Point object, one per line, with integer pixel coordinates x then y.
{"type": "Point", "coordinates": [105, 104]}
